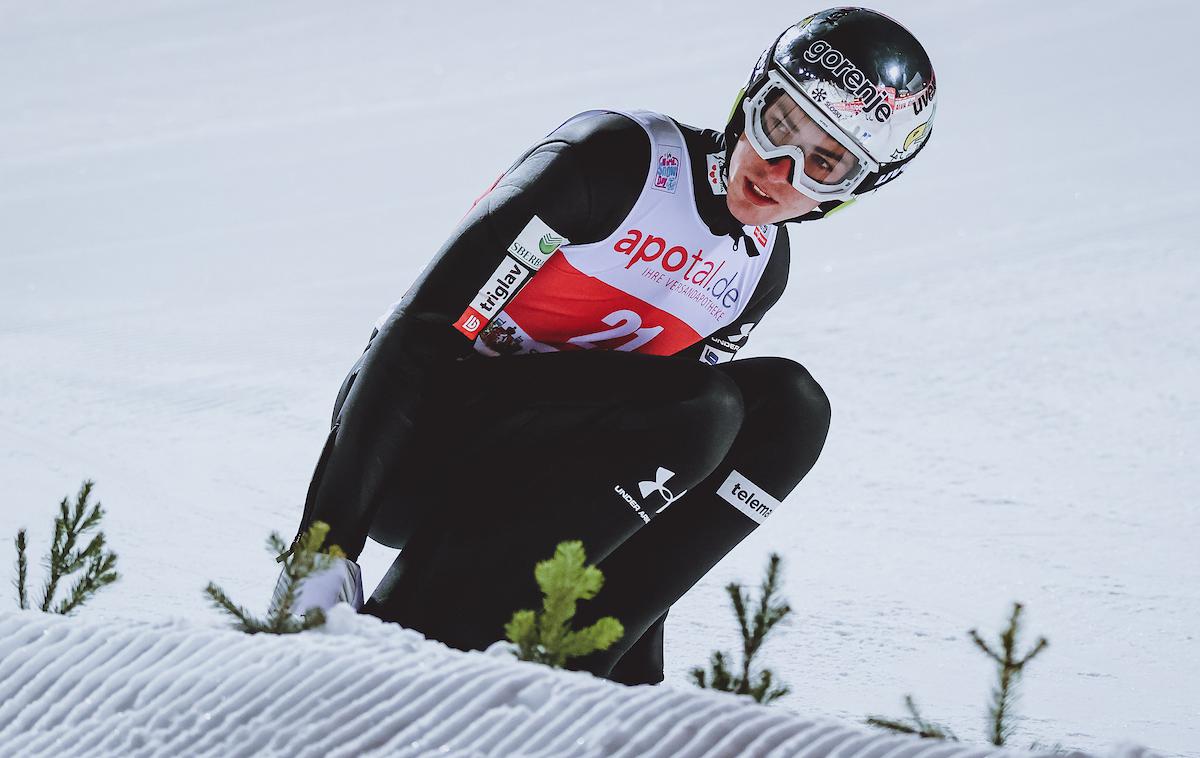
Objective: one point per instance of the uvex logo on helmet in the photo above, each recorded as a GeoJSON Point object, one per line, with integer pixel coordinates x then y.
{"type": "Point", "coordinates": [850, 77]}
{"type": "Point", "coordinates": [674, 258]}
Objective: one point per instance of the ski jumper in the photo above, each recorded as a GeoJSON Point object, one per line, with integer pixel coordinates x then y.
{"type": "Point", "coordinates": [561, 370]}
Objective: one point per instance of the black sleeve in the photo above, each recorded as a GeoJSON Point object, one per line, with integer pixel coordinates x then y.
{"type": "Point", "coordinates": [582, 180]}
{"type": "Point", "coordinates": [723, 344]}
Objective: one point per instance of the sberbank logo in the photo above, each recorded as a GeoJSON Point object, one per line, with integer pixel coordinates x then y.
{"type": "Point", "coordinates": [549, 243]}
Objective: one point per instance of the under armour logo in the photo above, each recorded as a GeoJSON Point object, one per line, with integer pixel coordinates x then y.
{"type": "Point", "coordinates": [659, 485]}
{"type": "Point", "coordinates": [745, 332]}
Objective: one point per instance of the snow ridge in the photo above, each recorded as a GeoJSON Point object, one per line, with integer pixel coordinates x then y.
{"type": "Point", "coordinates": [360, 687]}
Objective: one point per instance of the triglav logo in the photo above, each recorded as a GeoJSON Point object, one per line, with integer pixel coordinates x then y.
{"type": "Point", "coordinates": [497, 292]}
{"type": "Point", "coordinates": [850, 77]}
{"type": "Point", "coordinates": [526, 254]}
{"type": "Point", "coordinates": [659, 485]}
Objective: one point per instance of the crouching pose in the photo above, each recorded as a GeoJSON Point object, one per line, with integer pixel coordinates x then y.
{"type": "Point", "coordinates": [563, 369]}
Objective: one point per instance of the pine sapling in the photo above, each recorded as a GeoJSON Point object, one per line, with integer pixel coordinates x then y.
{"type": "Point", "coordinates": [22, 571]}
{"type": "Point", "coordinates": [546, 636]}
{"type": "Point", "coordinates": [93, 565]}
{"type": "Point", "coordinates": [916, 724]}
{"type": "Point", "coordinates": [1010, 668]}
{"type": "Point", "coordinates": [1000, 710]}
{"type": "Point", "coordinates": [768, 612]}
{"type": "Point", "coordinates": [302, 559]}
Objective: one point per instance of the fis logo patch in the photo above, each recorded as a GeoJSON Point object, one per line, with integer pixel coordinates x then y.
{"type": "Point", "coordinates": [666, 172]}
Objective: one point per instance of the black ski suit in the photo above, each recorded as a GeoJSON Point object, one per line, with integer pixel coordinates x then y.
{"type": "Point", "coordinates": [478, 466]}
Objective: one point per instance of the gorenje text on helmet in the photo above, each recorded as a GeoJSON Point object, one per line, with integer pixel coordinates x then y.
{"type": "Point", "coordinates": [851, 78]}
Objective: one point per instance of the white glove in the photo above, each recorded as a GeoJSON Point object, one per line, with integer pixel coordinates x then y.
{"type": "Point", "coordinates": [339, 582]}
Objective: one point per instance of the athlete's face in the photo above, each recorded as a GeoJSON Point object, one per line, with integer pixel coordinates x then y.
{"type": "Point", "coordinates": [748, 170]}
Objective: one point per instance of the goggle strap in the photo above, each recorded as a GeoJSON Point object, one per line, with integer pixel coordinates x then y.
{"type": "Point", "coordinates": [888, 171]}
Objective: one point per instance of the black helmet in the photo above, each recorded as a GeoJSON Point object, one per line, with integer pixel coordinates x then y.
{"type": "Point", "coordinates": [862, 73]}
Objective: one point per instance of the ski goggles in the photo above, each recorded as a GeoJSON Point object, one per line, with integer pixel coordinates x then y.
{"type": "Point", "coordinates": [782, 122]}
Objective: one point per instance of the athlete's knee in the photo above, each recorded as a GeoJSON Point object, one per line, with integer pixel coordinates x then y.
{"type": "Point", "coordinates": [713, 397]}
{"type": "Point", "coordinates": [801, 398]}
{"type": "Point", "coordinates": [785, 403]}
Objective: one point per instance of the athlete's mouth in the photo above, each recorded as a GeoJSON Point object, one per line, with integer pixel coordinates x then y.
{"type": "Point", "coordinates": [756, 195]}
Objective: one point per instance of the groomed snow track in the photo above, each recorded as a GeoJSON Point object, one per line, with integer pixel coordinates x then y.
{"type": "Point", "coordinates": [358, 687]}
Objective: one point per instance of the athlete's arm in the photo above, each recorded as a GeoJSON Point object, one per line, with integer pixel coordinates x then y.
{"type": "Point", "coordinates": [582, 180]}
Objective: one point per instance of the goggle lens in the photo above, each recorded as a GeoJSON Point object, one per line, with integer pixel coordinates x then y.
{"type": "Point", "coordinates": [783, 123]}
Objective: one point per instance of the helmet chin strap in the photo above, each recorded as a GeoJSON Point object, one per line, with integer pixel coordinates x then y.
{"type": "Point", "coordinates": [824, 210]}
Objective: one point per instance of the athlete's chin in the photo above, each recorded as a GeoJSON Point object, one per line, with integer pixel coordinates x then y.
{"type": "Point", "coordinates": [751, 214]}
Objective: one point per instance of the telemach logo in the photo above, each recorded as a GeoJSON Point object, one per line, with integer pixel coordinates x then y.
{"type": "Point", "coordinates": [508, 277]}
{"type": "Point", "coordinates": [751, 500]}
{"type": "Point", "coordinates": [850, 77]}
{"type": "Point", "coordinates": [747, 497]}
{"type": "Point", "coordinates": [673, 258]}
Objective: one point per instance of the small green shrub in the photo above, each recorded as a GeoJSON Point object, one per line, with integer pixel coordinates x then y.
{"type": "Point", "coordinates": [304, 557]}
{"type": "Point", "coordinates": [95, 566]}
{"type": "Point", "coordinates": [1010, 669]}
{"type": "Point", "coordinates": [767, 613]}
{"type": "Point", "coordinates": [545, 637]}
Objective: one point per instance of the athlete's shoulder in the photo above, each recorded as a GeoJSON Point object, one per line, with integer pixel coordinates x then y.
{"type": "Point", "coordinates": [604, 128]}
{"type": "Point", "coordinates": [709, 139]}
{"type": "Point", "coordinates": [606, 145]}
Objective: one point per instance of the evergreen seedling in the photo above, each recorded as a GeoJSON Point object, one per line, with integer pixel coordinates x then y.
{"type": "Point", "coordinates": [22, 571]}
{"type": "Point", "coordinates": [916, 725]}
{"type": "Point", "coordinates": [1009, 671]}
{"type": "Point", "coordinates": [546, 637]}
{"type": "Point", "coordinates": [767, 613]}
{"type": "Point", "coordinates": [93, 565]}
{"type": "Point", "coordinates": [1000, 710]}
{"type": "Point", "coordinates": [303, 558]}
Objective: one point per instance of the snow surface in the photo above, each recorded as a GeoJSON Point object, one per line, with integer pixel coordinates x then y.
{"type": "Point", "coordinates": [204, 205]}
{"type": "Point", "coordinates": [360, 687]}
